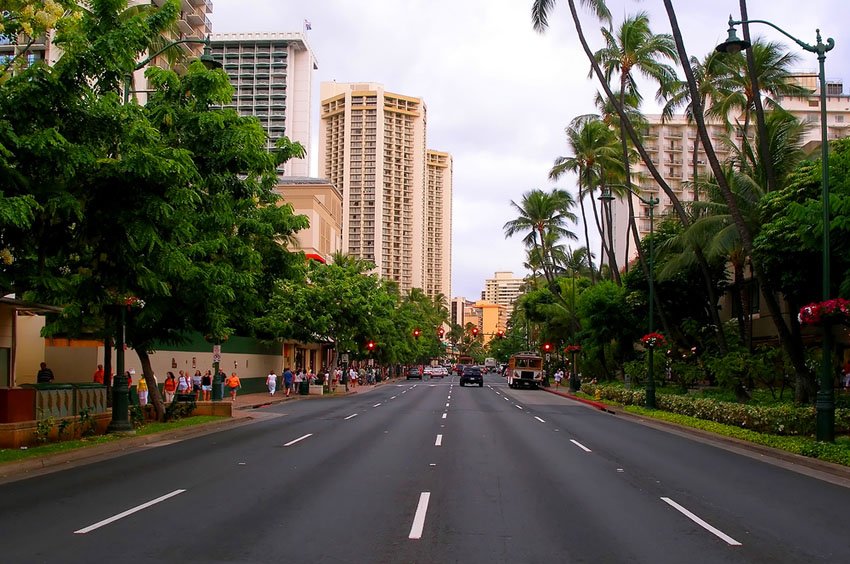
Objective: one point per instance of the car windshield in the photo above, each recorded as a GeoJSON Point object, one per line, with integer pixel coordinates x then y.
{"type": "Point", "coordinates": [472, 370]}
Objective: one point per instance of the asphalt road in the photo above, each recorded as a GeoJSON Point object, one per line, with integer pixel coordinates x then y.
{"type": "Point", "coordinates": [430, 473]}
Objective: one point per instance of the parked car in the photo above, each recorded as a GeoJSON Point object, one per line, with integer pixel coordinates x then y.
{"type": "Point", "coordinates": [472, 375]}
{"type": "Point", "coordinates": [414, 372]}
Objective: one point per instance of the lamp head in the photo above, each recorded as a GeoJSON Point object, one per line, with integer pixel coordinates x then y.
{"type": "Point", "coordinates": [606, 195]}
{"type": "Point", "coordinates": [210, 62]}
{"type": "Point", "coordinates": [732, 43]}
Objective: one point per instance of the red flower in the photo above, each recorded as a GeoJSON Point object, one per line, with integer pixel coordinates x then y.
{"type": "Point", "coordinates": [573, 348]}
{"type": "Point", "coordinates": [837, 310]}
{"type": "Point", "coordinates": [653, 339]}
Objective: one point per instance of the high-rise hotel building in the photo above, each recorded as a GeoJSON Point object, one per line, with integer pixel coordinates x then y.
{"type": "Point", "coordinates": [272, 77]}
{"type": "Point", "coordinates": [396, 193]}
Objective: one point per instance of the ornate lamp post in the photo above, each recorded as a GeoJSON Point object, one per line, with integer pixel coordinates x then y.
{"type": "Point", "coordinates": [206, 58]}
{"type": "Point", "coordinates": [825, 402]}
{"type": "Point", "coordinates": [651, 202]}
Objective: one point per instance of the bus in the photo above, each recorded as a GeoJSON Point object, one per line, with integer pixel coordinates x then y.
{"type": "Point", "coordinates": [525, 369]}
{"type": "Point", "coordinates": [463, 360]}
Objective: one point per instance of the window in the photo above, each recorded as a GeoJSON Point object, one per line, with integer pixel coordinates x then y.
{"type": "Point", "coordinates": [839, 119]}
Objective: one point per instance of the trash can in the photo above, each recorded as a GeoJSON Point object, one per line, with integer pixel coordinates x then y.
{"type": "Point", "coordinates": [304, 388]}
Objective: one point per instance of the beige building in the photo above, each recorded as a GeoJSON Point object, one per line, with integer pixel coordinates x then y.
{"type": "Point", "coordinates": [438, 225]}
{"type": "Point", "coordinates": [503, 289]}
{"type": "Point", "coordinates": [321, 202]}
{"type": "Point", "coordinates": [372, 147]}
{"type": "Point", "coordinates": [272, 78]}
{"type": "Point", "coordinates": [670, 144]}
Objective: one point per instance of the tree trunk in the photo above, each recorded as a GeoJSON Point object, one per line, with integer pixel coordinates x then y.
{"type": "Point", "coordinates": [793, 349]}
{"type": "Point", "coordinates": [763, 149]}
{"type": "Point", "coordinates": [738, 291]}
{"type": "Point", "coordinates": [653, 170]}
{"type": "Point", "coordinates": [153, 391]}
{"type": "Point", "coordinates": [586, 233]}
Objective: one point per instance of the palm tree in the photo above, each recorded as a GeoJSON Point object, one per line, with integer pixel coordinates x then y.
{"type": "Point", "coordinates": [794, 352]}
{"type": "Point", "coordinates": [541, 213]}
{"type": "Point", "coordinates": [736, 95]}
{"type": "Point", "coordinates": [539, 15]}
{"type": "Point", "coordinates": [635, 48]}
{"type": "Point", "coordinates": [595, 156]}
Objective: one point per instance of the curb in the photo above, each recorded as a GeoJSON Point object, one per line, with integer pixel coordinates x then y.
{"type": "Point", "coordinates": [597, 404]}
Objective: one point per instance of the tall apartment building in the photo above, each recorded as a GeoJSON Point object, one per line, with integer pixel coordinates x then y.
{"type": "Point", "coordinates": [438, 224]}
{"type": "Point", "coordinates": [272, 78]}
{"type": "Point", "coordinates": [191, 23]}
{"type": "Point", "coordinates": [372, 147]}
{"type": "Point", "coordinates": [503, 289]}
{"type": "Point", "coordinates": [670, 144]}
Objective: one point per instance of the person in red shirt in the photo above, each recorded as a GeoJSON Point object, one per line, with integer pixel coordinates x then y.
{"type": "Point", "coordinates": [98, 374]}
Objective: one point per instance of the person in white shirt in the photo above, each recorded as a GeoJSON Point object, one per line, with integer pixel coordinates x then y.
{"type": "Point", "coordinates": [271, 382]}
{"type": "Point", "coordinates": [559, 375]}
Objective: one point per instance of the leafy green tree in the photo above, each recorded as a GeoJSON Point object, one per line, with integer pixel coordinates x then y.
{"type": "Point", "coordinates": [607, 322]}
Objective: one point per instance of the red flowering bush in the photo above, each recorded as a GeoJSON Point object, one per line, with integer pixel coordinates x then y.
{"type": "Point", "coordinates": [653, 340]}
{"type": "Point", "coordinates": [573, 348]}
{"type": "Point", "coordinates": [837, 311]}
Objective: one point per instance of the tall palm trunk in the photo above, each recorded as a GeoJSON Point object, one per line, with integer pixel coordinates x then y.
{"type": "Point", "coordinates": [628, 176]}
{"type": "Point", "coordinates": [792, 348]}
{"type": "Point", "coordinates": [761, 128]}
{"type": "Point", "coordinates": [653, 170]}
{"type": "Point", "coordinates": [586, 233]}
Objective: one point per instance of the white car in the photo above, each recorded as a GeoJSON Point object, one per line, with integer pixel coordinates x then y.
{"type": "Point", "coordinates": [439, 371]}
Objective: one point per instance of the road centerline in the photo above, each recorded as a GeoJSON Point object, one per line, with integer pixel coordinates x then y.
{"type": "Point", "coordinates": [419, 518]}
{"type": "Point", "coordinates": [579, 445]}
{"type": "Point", "coordinates": [439, 441]}
{"type": "Point", "coordinates": [350, 416]}
{"type": "Point", "coordinates": [114, 518]}
{"type": "Point", "coordinates": [299, 439]}
{"type": "Point", "coordinates": [713, 530]}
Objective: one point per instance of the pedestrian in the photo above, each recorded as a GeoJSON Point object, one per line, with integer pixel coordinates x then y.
{"type": "Point", "coordinates": [271, 382]}
{"type": "Point", "coordinates": [846, 370]}
{"type": "Point", "coordinates": [559, 375]}
{"type": "Point", "coordinates": [287, 381]}
{"type": "Point", "coordinates": [45, 375]}
{"type": "Point", "coordinates": [196, 384]}
{"type": "Point", "coordinates": [142, 389]}
{"type": "Point", "coordinates": [344, 377]}
{"type": "Point", "coordinates": [98, 375]}
{"type": "Point", "coordinates": [296, 381]}
{"type": "Point", "coordinates": [352, 377]}
{"type": "Point", "coordinates": [206, 385]}
{"type": "Point", "coordinates": [169, 387]}
{"type": "Point", "coordinates": [233, 385]}
{"type": "Point", "coordinates": [184, 383]}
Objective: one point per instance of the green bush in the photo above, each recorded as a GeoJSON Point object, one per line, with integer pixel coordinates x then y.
{"type": "Point", "coordinates": [775, 420]}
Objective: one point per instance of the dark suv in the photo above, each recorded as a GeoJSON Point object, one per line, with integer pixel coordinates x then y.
{"type": "Point", "coordinates": [471, 375]}
{"type": "Point", "coordinates": [414, 372]}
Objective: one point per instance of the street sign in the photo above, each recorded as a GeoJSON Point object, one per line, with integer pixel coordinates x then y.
{"type": "Point", "coordinates": [216, 353]}
{"type": "Point", "coordinates": [343, 358]}
{"type": "Point", "coordinates": [548, 356]}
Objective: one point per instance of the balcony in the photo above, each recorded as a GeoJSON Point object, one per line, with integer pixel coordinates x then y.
{"type": "Point", "coordinates": [184, 26]}
{"type": "Point", "coordinates": [195, 19]}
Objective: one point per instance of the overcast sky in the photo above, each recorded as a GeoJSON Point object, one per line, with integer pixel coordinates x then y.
{"type": "Point", "coordinates": [498, 94]}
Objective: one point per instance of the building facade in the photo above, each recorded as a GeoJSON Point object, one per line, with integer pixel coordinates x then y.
{"type": "Point", "coordinates": [670, 144]}
{"type": "Point", "coordinates": [372, 147]}
{"type": "Point", "coordinates": [503, 289]}
{"type": "Point", "coordinates": [272, 78]}
{"type": "Point", "coordinates": [438, 225]}
{"type": "Point", "coordinates": [321, 202]}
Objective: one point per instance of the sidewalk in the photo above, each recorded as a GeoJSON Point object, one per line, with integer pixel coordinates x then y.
{"type": "Point", "coordinates": [263, 399]}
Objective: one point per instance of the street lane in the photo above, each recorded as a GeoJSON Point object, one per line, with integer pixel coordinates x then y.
{"type": "Point", "coordinates": [428, 472]}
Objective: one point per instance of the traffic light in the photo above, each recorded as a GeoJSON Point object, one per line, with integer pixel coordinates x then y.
{"type": "Point", "coordinates": [500, 334]}
{"type": "Point", "coordinates": [370, 345]}
{"type": "Point", "coordinates": [475, 331]}
{"type": "Point", "coordinates": [416, 332]}
{"type": "Point", "coordinates": [440, 332]}
{"type": "Point", "coordinates": [547, 347]}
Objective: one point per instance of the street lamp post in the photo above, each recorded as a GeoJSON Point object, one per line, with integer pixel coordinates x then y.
{"type": "Point", "coordinates": [825, 402]}
{"type": "Point", "coordinates": [651, 202]}
{"type": "Point", "coordinates": [206, 58]}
